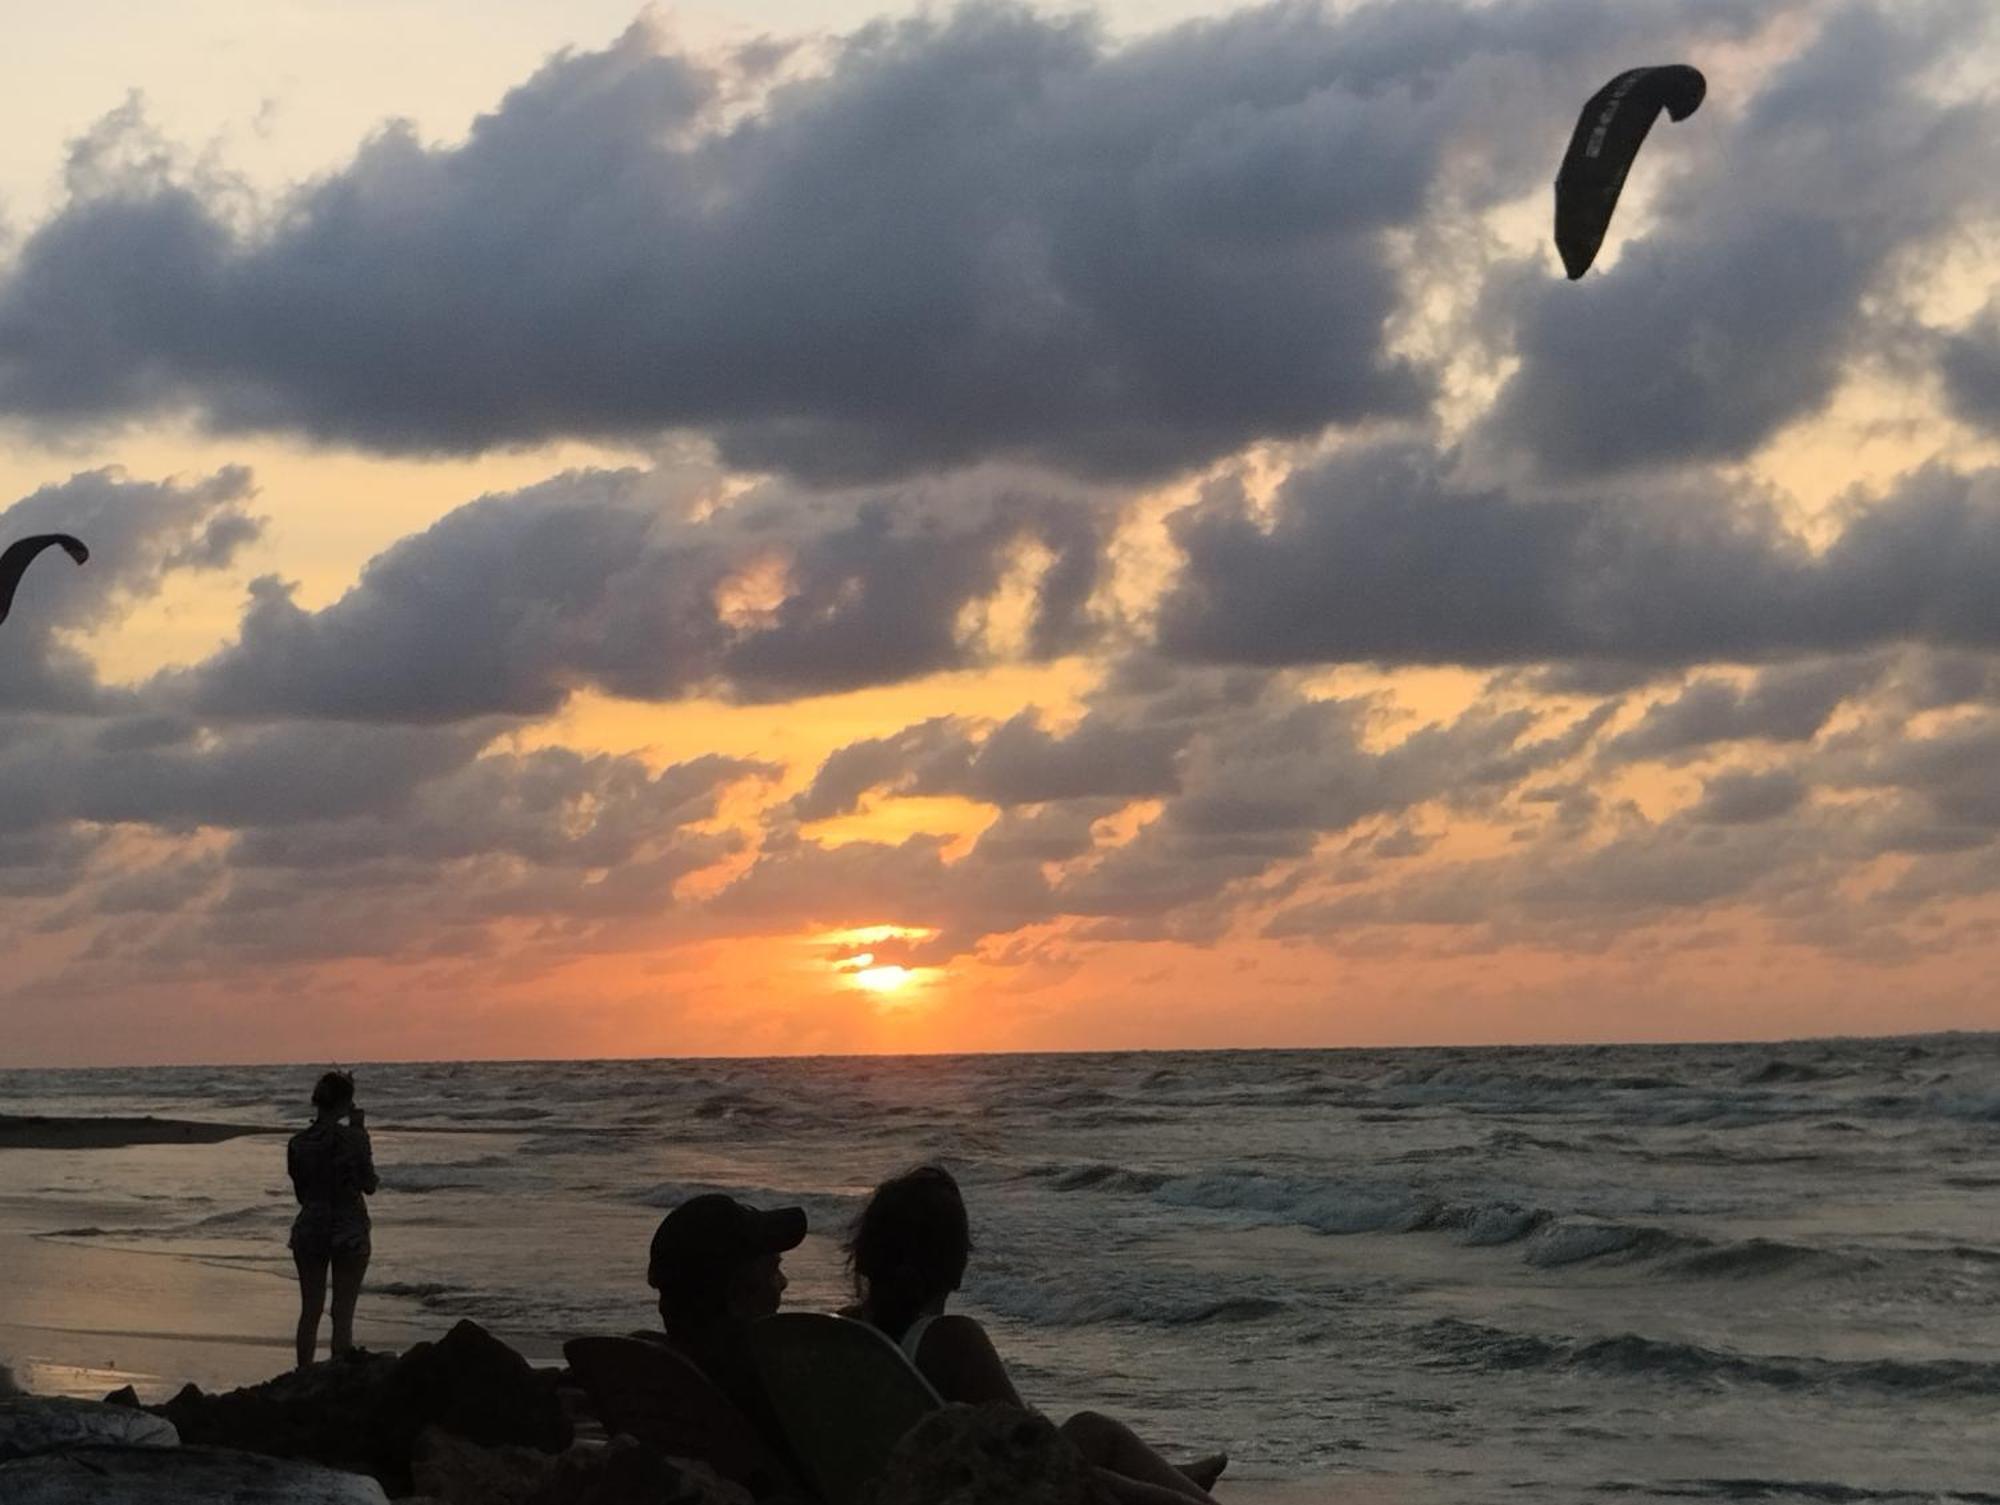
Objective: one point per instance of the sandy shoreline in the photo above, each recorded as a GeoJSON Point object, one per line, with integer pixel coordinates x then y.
{"type": "Point", "coordinates": [38, 1133]}
{"type": "Point", "coordinates": [84, 1318]}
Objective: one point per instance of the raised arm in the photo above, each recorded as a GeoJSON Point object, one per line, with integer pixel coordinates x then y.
{"type": "Point", "coordinates": [364, 1160]}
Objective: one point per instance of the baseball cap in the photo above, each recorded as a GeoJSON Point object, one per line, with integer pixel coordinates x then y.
{"type": "Point", "coordinates": [709, 1233]}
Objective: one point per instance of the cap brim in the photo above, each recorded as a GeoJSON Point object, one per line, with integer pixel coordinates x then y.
{"type": "Point", "coordinates": [780, 1228]}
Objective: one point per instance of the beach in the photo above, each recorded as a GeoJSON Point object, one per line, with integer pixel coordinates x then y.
{"type": "Point", "coordinates": [82, 1322]}
{"type": "Point", "coordinates": [82, 1319]}
{"type": "Point", "coordinates": [1423, 1276]}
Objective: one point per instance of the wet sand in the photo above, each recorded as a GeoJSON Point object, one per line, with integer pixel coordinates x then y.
{"type": "Point", "coordinates": [82, 1319]}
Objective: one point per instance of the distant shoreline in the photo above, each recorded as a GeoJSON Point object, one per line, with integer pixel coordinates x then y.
{"type": "Point", "coordinates": [40, 1133]}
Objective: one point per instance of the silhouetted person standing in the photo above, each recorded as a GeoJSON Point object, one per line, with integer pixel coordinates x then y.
{"type": "Point", "coordinates": [332, 1167]}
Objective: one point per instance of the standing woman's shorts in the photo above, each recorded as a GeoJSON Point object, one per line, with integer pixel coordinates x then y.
{"type": "Point", "coordinates": [320, 1234]}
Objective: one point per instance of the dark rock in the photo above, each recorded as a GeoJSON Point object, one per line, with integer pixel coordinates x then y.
{"type": "Point", "coordinates": [986, 1455]}
{"type": "Point", "coordinates": [457, 1472]}
{"type": "Point", "coordinates": [448, 1469]}
{"type": "Point", "coordinates": [321, 1414]}
{"type": "Point", "coordinates": [471, 1383]}
{"type": "Point", "coordinates": [627, 1472]}
{"type": "Point", "coordinates": [177, 1476]}
{"type": "Point", "coordinates": [365, 1411]}
{"type": "Point", "coordinates": [29, 1425]}
{"type": "Point", "coordinates": [124, 1395]}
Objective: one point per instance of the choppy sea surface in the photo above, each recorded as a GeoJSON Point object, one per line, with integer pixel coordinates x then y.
{"type": "Point", "coordinates": [1554, 1274]}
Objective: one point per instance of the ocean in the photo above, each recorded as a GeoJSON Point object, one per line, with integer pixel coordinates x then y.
{"type": "Point", "coordinates": [1557, 1274]}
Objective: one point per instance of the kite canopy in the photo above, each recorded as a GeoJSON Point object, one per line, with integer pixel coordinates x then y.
{"type": "Point", "coordinates": [14, 563]}
{"type": "Point", "coordinates": [1607, 137]}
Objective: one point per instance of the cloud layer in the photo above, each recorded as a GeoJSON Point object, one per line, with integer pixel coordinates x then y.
{"type": "Point", "coordinates": [989, 234]}
{"type": "Point", "coordinates": [1381, 598]}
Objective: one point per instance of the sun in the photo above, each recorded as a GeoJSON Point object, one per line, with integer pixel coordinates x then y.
{"type": "Point", "coordinates": [858, 962]}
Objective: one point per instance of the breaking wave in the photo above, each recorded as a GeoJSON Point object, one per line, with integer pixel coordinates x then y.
{"type": "Point", "coordinates": [1455, 1341]}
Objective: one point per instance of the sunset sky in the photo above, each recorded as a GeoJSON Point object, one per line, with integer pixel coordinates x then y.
{"type": "Point", "coordinates": [796, 527]}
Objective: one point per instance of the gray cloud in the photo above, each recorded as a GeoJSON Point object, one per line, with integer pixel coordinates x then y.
{"type": "Point", "coordinates": [138, 532]}
{"type": "Point", "coordinates": [1740, 309]}
{"type": "Point", "coordinates": [1950, 771]}
{"type": "Point", "coordinates": [1739, 797]}
{"type": "Point", "coordinates": [179, 777]}
{"type": "Point", "coordinates": [1576, 898]}
{"type": "Point", "coordinates": [310, 843]}
{"type": "Point", "coordinates": [923, 757]}
{"type": "Point", "coordinates": [1790, 703]}
{"type": "Point", "coordinates": [1249, 776]}
{"type": "Point", "coordinates": [507, 605]}
{"type": "Point", "coordinates": [1380, 554]}
{"type": "Point", "coordinates": [38, 864]}
{"type": "Point", "coordinates": [1018, 762]}
{"type": "Point", "coordinates": [552, 808]}
{"type": "Point", "coordinates": [1971, 365]}
{"type": "Point", "coordinates": [988, 234]}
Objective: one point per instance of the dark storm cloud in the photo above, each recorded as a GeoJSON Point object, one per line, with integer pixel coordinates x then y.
{"type": "Point", "coordinates": [983, 234]}
{"type": "Point", "coordinates": [507, 605]}
{"type": "Point", "coordinates": [137, 532]}
{"type": "Point", "coordinates": [1380, 555]}
{"type": "Point", "coordinates": [1740, 309]}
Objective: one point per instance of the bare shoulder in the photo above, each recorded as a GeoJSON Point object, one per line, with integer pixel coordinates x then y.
{"type": "Point", "coordinates": [960, 1360]}
{"type": "Point", "coordinates": [960, 1332]}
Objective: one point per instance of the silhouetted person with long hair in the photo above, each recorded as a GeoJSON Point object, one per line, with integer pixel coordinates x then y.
{"type": "Point", "coordinates": [332, 1167]}
{"type": "Point", "coordinates": [907, 1252]}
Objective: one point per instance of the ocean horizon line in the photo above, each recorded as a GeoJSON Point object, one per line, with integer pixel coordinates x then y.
{"type": "Point", "coordinates": [1002, 1055]}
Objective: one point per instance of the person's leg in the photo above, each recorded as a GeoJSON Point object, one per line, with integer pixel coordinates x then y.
{"type": "Point", "coordinates": [349, 1265]}
{"type": "Point", "coordinates": [312, 1300]}
{"type": "Point", "coordinates": [1134, 1491]}
{"type": "Point", "coordinates": [1206, 1469]}
{"type": "Point", "coordinates": [1113, 1446]}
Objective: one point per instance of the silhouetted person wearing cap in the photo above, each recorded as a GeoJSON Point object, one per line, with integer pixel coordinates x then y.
{"type": "Point", "coordinates": [718, 1266]}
